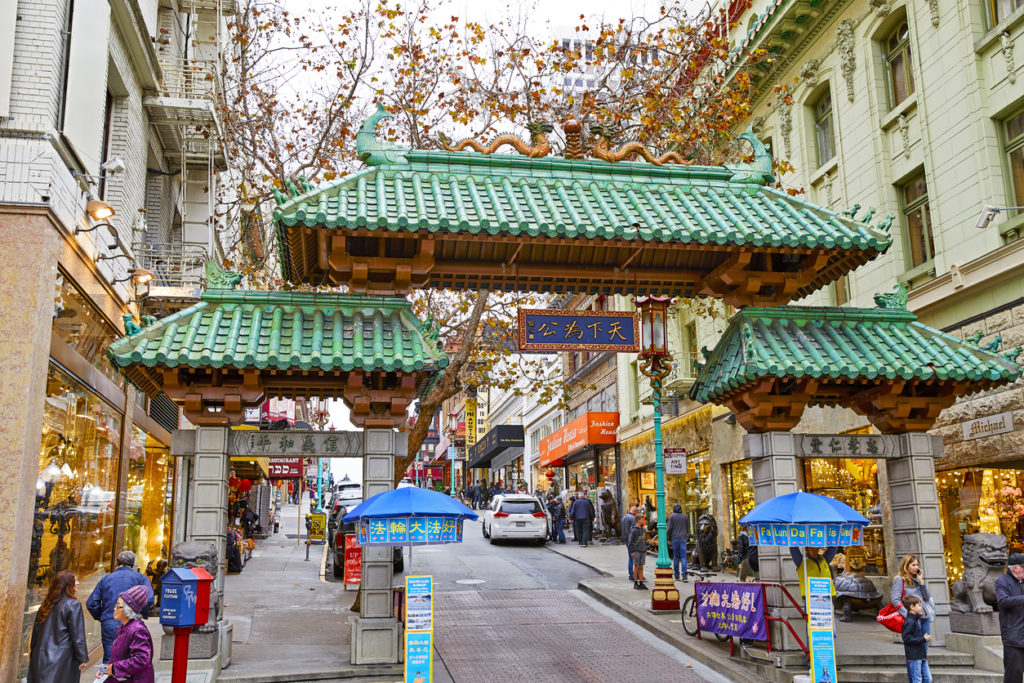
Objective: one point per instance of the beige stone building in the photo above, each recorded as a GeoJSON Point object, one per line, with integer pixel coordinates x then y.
{"type": "Point", "coordinates": [108, 175]}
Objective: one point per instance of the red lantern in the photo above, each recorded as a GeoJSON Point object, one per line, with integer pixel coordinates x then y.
{"type": "Point", "coordinates": [550, 474]}
{"type": "Point", "coordinates": [245, 486]}
{"type": "Point", "coordinates": [233, 482]}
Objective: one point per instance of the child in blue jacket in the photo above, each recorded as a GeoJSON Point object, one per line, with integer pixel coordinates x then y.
{"type": "Point", "coordinates": [915, 642]}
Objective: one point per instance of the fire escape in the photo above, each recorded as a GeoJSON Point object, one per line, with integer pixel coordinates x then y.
{"type": "Point", "coordinates": [184, 111]}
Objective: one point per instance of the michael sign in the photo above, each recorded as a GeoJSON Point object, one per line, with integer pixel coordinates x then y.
{"type": "Point", "coordinates": [987, 426]}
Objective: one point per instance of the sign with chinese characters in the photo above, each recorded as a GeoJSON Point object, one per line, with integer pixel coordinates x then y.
{"type": "Point", "coordinates": [988, 426]}
{"type": "Point", "coordinates": [806, 535]}
{"type": "Point", "coordinates": [543, 330]}
{"type": "Point", "coordinates": [846, 445]}
{"type": "Point", "coordinates": [285, 468]}
{"type": "Point", "coordinates": [409, 530]}
{"type": "Point", "coordinates": [286, 444]}
{"type": "Point", "coordinates": [675, 461]}
{"type": "Point", "coordinates": [731, 609]}
{"type": "Point", "coordinates": [819, 629]}
{"type": "Point", "coordinates": [419, 660]}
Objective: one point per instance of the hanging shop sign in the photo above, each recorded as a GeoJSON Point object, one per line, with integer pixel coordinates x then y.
{"type": "Point", "coordinates": [285, 468]}
{"type": "Point", "coordinates": [470, 421]}
{"type": "Point", "coordinates": [731, 609]}
{"type": "Point", "coordinates": [544, 330]}
{"type": "Point", "coordinates": [589, 429]}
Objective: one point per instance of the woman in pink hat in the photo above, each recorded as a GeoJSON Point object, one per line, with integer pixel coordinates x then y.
{"type": "Point", "coordinates": [131, 655]}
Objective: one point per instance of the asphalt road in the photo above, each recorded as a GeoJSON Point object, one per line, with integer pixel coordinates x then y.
{"type": "Point", "coordinates": [511, 610]}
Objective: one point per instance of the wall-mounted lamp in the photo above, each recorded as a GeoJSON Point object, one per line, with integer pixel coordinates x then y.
{"type": "Point", "coordinates": [98, 209]}
{"type": "Point", "coordinates": [988, 214]}
{"type": "Point", "coordinates": [139, 276]}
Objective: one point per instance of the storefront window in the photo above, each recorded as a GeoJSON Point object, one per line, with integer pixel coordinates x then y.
{"type": "Point", "coordinates": [150, 499]}
{"type": "Point", "coordinates": [741, 492]}
{"type": "Point", "coordinates": [979, 501]}
{"type": "Point", "coordinates": [698, 487]}
{"type": "Point", "coordinates": [853, 481]}
{"type": "Point", "coordinates": [82, 327]}
{"type": "Point", "coordinates": [73, 525]}
{"type": "Point", "coordinates": [582, 474]}
{"type": "Point", "coordinates": [606, 469]}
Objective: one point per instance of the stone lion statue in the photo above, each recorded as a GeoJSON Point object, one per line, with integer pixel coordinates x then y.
{"type": "Point", "coordinates": [199, 554]}
{"type": "Point", "coordinates": [984, 557]}
{"type": "Point", "coordinates": [609, 514]}
{"type": "Point", "coordinates": [705, 553]}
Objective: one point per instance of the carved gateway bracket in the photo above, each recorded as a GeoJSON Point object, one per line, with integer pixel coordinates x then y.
{"type": "Point", "coordinates": [375, 264]}
{"type": "Point", "coordinates": [747, 277]}
{"type": "Point", "coordinates": [219, 398]}
{"type": "Point", "coordinates": [893, 406]}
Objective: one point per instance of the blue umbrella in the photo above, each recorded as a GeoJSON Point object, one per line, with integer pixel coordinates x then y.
{"type": "Point", "coordinates": [409, 501]}
{"type": "Point", "coordinates": [803, 508]}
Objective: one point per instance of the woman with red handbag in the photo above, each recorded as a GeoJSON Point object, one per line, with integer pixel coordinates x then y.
{"type": "Point", "coordinates": [908, 581]}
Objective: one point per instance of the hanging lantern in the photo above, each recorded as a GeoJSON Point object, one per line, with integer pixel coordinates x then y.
{"type": "Point", "coordinates": [653, 335]}
{"type": "Point", "coordinates": [550, 474]}
{"type": "Point", "coordinates": [245, 486]}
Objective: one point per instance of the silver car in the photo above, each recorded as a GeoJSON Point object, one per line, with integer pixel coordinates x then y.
{"type": "Point", "coordinates": [512, 516]}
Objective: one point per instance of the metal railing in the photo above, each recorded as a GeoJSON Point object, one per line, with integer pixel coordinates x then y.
{"type": "Point", "coordinates": [190, 79]}
{"type": "Point", "coordinates": [174, 264]}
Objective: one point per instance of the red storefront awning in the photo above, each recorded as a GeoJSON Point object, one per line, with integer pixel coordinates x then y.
{"type": "Point", "coordinates": [589, 429]}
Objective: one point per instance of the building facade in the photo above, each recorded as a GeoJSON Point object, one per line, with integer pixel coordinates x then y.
{"type": "Point", "coordinates": [108, 177]}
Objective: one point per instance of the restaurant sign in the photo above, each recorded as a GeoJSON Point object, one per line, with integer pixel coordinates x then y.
{"type": "Point", "coordinates": [543, 330]}
{"type": "Point", "coordinates": [587, 430]}
{"type": "Point", "coordinates": [285, 468]}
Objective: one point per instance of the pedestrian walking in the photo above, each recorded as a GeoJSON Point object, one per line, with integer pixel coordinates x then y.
{"type": "Point", "coordinates": [557, 513]}
{"type": "Point", "coordinates": [582, 514]}
{"type": "Point", "coordinates": [1010, 602]}
{"type": "Point", "coordinates": [909, 581]}
{"type": "Point", "coordinates": [678, 530]}
{"type": "Point", "coordinates": [627, 523]}
{"type": "Point", "coordinates": [915, 641]}
{"type": "Point", "coordinates": [131, 655]}
{"type": "Point", "coordinates": [637, 545]}
{"type": "Point", "coordinates": [104, 596]}
{"type": "Point", "coordinates": [57, 652]}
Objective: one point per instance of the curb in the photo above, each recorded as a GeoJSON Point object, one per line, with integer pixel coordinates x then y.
{"type": "Point", "coordinates": [600, 572]}
{"type": "Point", "coordinates": [362, 673]}
{"type": "Point", "coordinates": [714, 660]}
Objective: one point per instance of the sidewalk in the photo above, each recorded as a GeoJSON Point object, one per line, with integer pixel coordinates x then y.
{"type": "Point", "coordinates": [865, 650]}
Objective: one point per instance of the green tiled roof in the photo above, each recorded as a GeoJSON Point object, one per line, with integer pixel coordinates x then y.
{"type": "Point", "coordinates": [416, 191]}
{"type": "Point", "coordinates": [842, 344]}
{"type": "Point", "coordinates": [284, 331]}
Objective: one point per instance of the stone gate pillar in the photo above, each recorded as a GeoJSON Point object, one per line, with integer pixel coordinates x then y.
{"type": "Point", "coordinates": [914, 502]}
{"type": "Point", "coordinates": [376, 632]}
{"type": "Point", "coordinates": [775, 469]}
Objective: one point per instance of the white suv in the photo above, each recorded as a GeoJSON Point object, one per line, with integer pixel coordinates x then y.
{"type": "Point", "coordinates": [515, 516]}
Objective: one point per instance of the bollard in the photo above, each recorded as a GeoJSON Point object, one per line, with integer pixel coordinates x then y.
{"type": "Point", "coordinates": [307, 550]}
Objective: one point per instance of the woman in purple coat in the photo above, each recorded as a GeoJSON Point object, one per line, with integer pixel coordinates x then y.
{"type": "Point", "coordinates": [131, 655]}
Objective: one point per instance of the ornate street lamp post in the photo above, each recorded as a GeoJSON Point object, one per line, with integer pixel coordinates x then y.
{"type": "Point", "coordinates": [320, 418]}
{"type": "Point", "coordinates": [656, 363]}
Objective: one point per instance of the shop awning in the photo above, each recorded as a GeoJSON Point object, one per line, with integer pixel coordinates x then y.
{"type": "Point", "coordinates": [495, 444]}
{"type": "Point", "coordinates": [589, 429]}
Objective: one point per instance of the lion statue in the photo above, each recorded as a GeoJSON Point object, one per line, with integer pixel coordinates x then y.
{"type": "Point", "coordinates": [609, 514]}
{"type": "Point", "coordinates": [984, 557]}
{"type": "Point", "coordinates": [199, 554]}
{"type": "Point", "coordinates": [705, 553]}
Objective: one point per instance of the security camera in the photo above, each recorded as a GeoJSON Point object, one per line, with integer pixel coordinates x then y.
{"type": "Point", "coordinates": [114, 166]}
{"type": "Point", "coordinates": [988, 214]}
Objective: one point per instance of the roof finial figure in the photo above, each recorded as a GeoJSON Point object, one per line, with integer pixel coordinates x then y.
{"type": "Point", "coordinates": [538, 137]}
{"type": "Point", "coordinates": [573, 139]}
{"type": "Point", "coordinates": [606, 136]}
{"type": "Point", "coordinates": [894, 300]}
{"type": "Point", "coordinates": [757, 172]}
{"type": "Point", "coordinates": [372, 151]}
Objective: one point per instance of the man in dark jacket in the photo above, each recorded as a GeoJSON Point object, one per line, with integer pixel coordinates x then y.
{"type": "Point", "coordinates": [1010, 601]}
{"type": "Point", "coordinates": [678, 530]}
{"type": "Point", "coordinates": [582, 514]}
{"type": "Point", "coordinates": [627, 523]}
{"type": "Point", "coordinates": [104, 596]}
{"type": "Point", "coordinates": [556, 511]}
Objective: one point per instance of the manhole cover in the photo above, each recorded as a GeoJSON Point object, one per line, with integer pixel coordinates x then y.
{"type": "Point", "coordinates": [470, 581]}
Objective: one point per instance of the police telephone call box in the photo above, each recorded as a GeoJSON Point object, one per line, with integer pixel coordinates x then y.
{"type": "Point", "coordinates": [185, 597]}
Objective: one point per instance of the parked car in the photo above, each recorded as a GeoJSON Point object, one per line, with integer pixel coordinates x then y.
{"type": "Point", "coordinates": [336, 539]}
{"type": "Point", "coordinates": [515, 515]}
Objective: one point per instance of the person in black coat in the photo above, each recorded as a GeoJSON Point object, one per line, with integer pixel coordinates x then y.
{"type": "Point", "coordinates": [915, 641]}
{"type": "Point", "coordinates": [1010, 602]}
{"type": "Point", "coordinates": [58, 653]}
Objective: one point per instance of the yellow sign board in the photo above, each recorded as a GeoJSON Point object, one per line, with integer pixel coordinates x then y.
{"type": "Point", "coordinates": [318, 526]}
{"type": "Point", "coordinates": [470, 422]}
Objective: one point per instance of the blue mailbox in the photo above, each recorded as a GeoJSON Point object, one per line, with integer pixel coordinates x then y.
{"type": "Point", "coordinates": [185, 597]}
